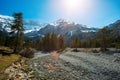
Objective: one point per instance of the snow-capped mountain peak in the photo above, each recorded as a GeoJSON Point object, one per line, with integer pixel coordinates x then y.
{"type": "Point", "coordinates": [5, 23]}
{"type": "Point", "coordinates": [5, 17]}
{"type": "Point", "coordinates": [61, 22]}
{"type": "Point", "coordinates": [29, 25]}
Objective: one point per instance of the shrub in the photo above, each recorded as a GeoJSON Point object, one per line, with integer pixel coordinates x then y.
{"type": "Point", "coordinates": [75, 50]}
{"type": "Point", "coordinates": [103, 49]}
{"type": "Point", "coordinates": [95, 51]}
{"type": "Point", "coordinates": [117, 46]}
{"type": "Point", "coordinates": [28, 53]}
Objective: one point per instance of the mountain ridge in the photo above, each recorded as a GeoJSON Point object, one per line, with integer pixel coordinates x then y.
{"type": "Point", "coordinates": [69, 29]}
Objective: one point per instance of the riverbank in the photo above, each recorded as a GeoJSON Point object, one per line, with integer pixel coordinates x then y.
{"type": "Point", "coordinates": [14, 66]}
{"type": "Point", "coordinates": [19, 70]}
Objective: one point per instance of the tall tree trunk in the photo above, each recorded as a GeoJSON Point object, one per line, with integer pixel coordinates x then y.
{"type": "Point", "coordinates": [16, 43]}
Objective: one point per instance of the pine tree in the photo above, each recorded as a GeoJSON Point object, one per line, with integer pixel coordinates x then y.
{"type": "Point", "coordinates": [9, 42]}
{"type": "Point", "coordinates": [76, 43]}
{"type": "Point", "coordinates": [21, 41]}
{"type": "Point", "coordinates": [3, 36]}
{"type": "Point", "coordinates": [102, 34]}
{"type": "Point", "coordinates": [47, 42]}
{"type": "Point", "coordinates": [17, 30]}
{"type": "Point", "coordinates": [61, 42]}
{"type": "Point", "coordinates": [54, 42]}
{"type": "Point", "coordinates": [28, 43]}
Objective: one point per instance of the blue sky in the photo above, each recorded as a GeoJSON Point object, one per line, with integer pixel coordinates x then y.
{"type": "Point", "coordinates": [95, 13]}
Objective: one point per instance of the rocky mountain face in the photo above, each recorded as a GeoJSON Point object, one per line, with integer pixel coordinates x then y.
{"type": "Point", "coordinates": [32, 26]}
{"type": "Point", "coordinates": [5, 23]}
{"type": "Point", "coordinates": [64, 27]}
{"type": "Point", "coordinates": [68, 29]}
{"type": "Point", "coordinates": [115, 28]}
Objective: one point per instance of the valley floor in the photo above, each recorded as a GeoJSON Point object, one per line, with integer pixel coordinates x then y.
{"type": "Point", "coordinates": [76, 66]}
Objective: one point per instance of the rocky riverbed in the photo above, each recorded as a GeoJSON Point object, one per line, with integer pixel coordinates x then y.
{"type": "Point", "coordinates": [76, 66]}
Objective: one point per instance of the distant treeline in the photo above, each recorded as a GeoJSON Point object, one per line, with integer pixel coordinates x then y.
{"type": "Point", "coordinates": [104, 39]}
{"type": "Point", "coordinates": [50, 42]}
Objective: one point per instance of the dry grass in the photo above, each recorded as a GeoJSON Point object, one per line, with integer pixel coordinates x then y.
{"type": "Point", "coordinates": [5, 61]}
{"type": "Point", "coordinates": [7, 49]}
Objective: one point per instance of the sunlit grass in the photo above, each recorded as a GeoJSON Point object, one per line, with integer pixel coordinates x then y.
{"type": "Point", "coordinates": [6, 49]}
{"type": "Point", "coordinates": [5, 61]}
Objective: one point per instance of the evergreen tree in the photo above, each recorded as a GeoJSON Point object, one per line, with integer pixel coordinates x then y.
{"type": "Point", "coordinates": [84, 44]}
{"type": "Point", "coordinates": [21, 41]}
{"type": "Point", "coordinates": [46, 42]}
{"type": "Point", "coordinates": [3, 36]}
{"type": "Point", "coordinates": [61, 42]}
{"type": "Point", "coordinates": [10, 41]}
{"type": "Point", "coordinates": [28, 43]}
{"type": "Point", "coordinates": [54, 42]}
{"type": "Point", "coordinates": [17, 30]}
{"type": "Point", "coordinates": [38, 44]}
{"type": "Point", "coordinates": [76, 43]}
{"type": "Point", "coordinates": [117, 42]}
{"type": "Point", "coordinates": [102, 34]}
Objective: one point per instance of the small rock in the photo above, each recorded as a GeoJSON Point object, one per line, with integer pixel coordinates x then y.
{"type": "Point", "coordinates": [117, 59]}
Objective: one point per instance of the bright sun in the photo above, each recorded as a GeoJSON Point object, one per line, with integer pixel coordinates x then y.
{"type": "Point", "coordinates": [70, 5]}
{"type": "Point", "coordinates": [73, 8]}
